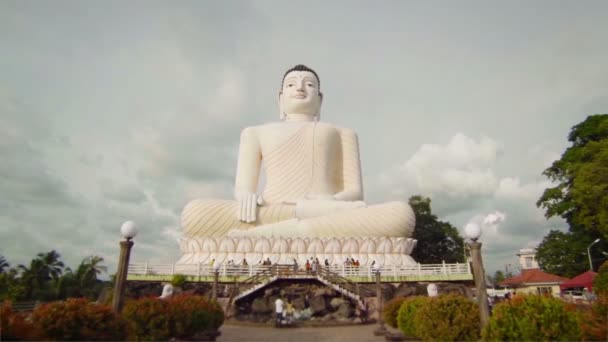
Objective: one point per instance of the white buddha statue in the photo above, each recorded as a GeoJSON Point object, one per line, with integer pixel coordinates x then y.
{"type": "Point", "coordinates": [313, 179]}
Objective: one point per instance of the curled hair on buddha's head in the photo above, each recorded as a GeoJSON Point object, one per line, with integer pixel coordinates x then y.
{"type": "Point", "coordinates": [300, 67]}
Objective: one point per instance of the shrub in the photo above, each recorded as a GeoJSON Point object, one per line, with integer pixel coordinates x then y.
{"type": "Point", "coordinates": [191, 316]}
{"type": "Point", "coordinates": [78, 320]}
{"type": "Point", "coordinates": [147, 319]}
{"type": "Point", "coordinates": [178, 280]}
{"type": "Point", "coordinates": [14, 326]}
{"type": "Point", "coordinates": [181, 317]}
{"type": "Point", "coordinates": [391, 309]}
{"type": "Point", "coordinates": [450, 317]}
{"type": "Point", "coordinates": [405, 316]}
{"type": "Point", "coordinates": [600, 283]}
{"type": "Point", "coordinates": [594, 321]}
{"type": "Point", "coordinates": [532, 318]}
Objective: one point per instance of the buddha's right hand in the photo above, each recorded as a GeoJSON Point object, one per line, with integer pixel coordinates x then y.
{"type": "Point", "coordinates": [248, 203]}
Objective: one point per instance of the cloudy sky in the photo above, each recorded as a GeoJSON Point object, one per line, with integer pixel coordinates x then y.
{"type": "Point", "coordinates": [114, 111]}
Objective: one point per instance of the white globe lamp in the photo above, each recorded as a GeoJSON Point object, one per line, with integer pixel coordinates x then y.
{"type": "Point", "coordinates": [128, 230]}
{"type": "Point", "coordinates": [472, 231]}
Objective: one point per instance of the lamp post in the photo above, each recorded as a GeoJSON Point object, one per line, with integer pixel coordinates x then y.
{"type": "Point", "coordinates": [589, 253]}
{"type": "Point", "coordinates": [473, 232]}
{"type": "Point", "coordinates": [128, 231]}
{"type": "Point", "coordinates": [216, 276]}
{"type": "Point", "coordinates": [381, 330]}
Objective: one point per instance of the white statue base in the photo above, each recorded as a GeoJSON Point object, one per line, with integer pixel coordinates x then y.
{"type": "Point", "coordinates": [382, 250]}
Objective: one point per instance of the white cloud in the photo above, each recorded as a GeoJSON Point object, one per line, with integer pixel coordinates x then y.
{"type": "Point", "coordinates": [461, 168]}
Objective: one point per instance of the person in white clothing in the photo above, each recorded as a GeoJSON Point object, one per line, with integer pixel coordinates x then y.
{"type": "Point", "coordinates": [278, 308]}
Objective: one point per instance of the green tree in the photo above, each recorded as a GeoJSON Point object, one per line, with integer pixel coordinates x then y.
{"type": "Point", "coordinates": [83, 282]}
{"type": "Point", "coordinates": [581, 175]}
{"type": "Point", "coordinates": [87, 273]}
{"type": "Point", "coordinates": [498, 277]}
{"type": "Point", "coordinates": [437, 241]}
{"type": "Point", "coordinates": [565, 253]}
{"type": "Point", "coordinates": [3, 264]}
{"type": "Point", "coordinates": [11, 287]}
{"type": "Point", "coordinates": [39, 277]}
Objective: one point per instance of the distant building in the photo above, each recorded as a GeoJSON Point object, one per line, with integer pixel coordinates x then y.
{"type": "Point", "coordinates": [534, 281]}
{"type": "Point", "coordinates": [527, 258]}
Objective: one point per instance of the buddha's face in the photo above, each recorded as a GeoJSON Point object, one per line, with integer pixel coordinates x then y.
{"type": "Point", "coordinates": [300, 94]}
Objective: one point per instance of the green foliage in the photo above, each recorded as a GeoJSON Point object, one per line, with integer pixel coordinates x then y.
{"type": "Point", "coordinates": [191, 316]}
{"type": "Point", "coordinates": [3, 264]}
{"type": "Point", "coordinates": [581, 175]}
{"type": "Point", "coordinates": [178, 280]}
{"type": "Point", "coordinates": [11, 287]}
{"type": "Point", "coordinates": [499, 276]}
{"type": "Point", "coordinates": [532, 318]}
{"type": "Point", "coordinates": [565, 254]}
{"type": "Point", "coordinates": [391, 309]}
{"type": "Point", "coordinates": [407, 311]}
{"type": "Point", "coordinates": [148, 319]}
{"type": "Point", "coordinates": [45, 279]}
{"type": "Point", "coordinates": [450, 317]}
{"type": "Point", "coordinates": [78, 320]}
{"type": "Point", "coordinates": [600, 283]}
{"type": "Point", "coordinates": [437, 241]}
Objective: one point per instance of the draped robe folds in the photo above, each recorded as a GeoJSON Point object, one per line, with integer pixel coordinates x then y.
{"type": "Point", "coordinates": [301, 160]}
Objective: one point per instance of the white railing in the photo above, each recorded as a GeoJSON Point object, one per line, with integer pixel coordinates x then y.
{"type": "Point", "coordinates": [204, 270]}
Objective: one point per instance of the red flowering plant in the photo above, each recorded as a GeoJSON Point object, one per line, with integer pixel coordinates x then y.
{"type": "Point", "coordinates": [78, 320]}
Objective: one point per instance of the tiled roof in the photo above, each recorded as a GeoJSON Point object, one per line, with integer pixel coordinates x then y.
{"type": "Point", "coordinates": [531, 276]}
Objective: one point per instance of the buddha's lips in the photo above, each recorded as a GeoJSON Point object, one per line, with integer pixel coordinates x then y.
{"type": "Point", "coordinates": [299, 96]}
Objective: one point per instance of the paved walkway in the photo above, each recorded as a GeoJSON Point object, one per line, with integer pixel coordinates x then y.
{"type": "Point", "coordinates": [349, 333]}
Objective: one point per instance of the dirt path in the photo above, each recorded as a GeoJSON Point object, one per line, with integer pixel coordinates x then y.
{"type": "Point", "coordinates": [352, 333]}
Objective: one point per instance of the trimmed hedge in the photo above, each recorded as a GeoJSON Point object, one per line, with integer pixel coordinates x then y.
{"type": "Point", "coordinates": [391, 309]}
{"type": "Point", "coordinates": [407, 311]}
{"type": "Point", "coordinates": [532, 318]}
{"type": "Point", "coordinates": [449, 317]}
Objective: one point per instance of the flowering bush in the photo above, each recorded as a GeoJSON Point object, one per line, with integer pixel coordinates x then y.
{"type": "Point", "coordinates": [450, 317]}
{"type": "Point", "coordinates": [78, 320]}
{"type": "Point", "coordinates": [14, 326]}
{"type": "Point", "coordinates": [532, 318]}
{"type": "Point", "coordinates": [191, 316]}
{"type": "Point", "coordinates": [147, 319]}
{"type": "Point", "coordinates": [181, 317]}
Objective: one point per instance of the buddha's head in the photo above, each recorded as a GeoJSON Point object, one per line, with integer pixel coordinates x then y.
{"type": "Point", "coordinates": [300, 93]}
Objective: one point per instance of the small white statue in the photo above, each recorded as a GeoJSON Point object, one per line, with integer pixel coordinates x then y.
{"type": "Point", "coordinates": [167, 291]}
{"type": "Point", "coordinates": [431, 290]}
{"type": "Point", "coordinates": [313, 179]}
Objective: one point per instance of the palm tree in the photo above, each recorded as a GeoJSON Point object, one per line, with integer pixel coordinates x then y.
{"type": "Point", "coordinates": [45, 267]}
{"type": "Point", "coordinates": [87, 272]}
{"type": "Point", "coordinates": [3, 264]}
{"type": "Point", "coordinates": [52, 267]}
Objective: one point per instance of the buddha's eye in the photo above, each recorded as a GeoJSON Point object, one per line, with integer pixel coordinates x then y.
{"type": "Point", "coordinates": [290, 85]}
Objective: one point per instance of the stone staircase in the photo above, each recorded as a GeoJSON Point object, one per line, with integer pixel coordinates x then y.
{"type": "Point", "coordinates": [323, 275]}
